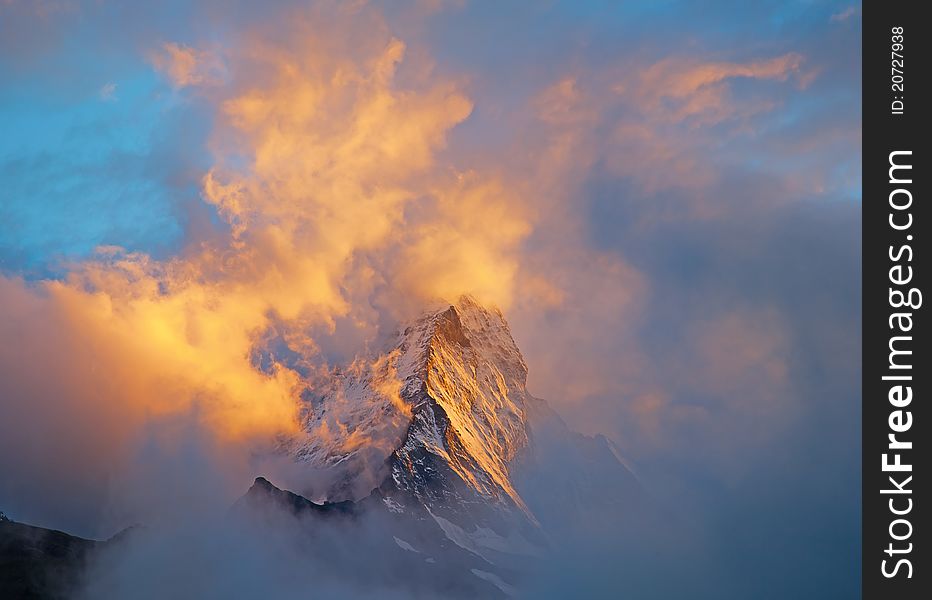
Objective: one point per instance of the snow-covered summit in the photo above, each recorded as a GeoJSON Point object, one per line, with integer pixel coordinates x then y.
{"type": "Point", "coordinates": [466, 385]}
{"type": "Point", "coordinates": [441, 410]}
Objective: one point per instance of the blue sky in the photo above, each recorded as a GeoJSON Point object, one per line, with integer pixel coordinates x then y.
{"type": "Point", "coordinates": [65, 138]}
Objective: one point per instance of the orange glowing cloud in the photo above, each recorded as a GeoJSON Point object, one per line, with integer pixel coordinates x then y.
{"type": "Point", "coordinates": [685, 89]}
{"type": "Point", "coordinates": [185, 66]}
{"type": "Point", "coordinates": [340, 198]}
{"type": "Point", "coordinates": [654, 124]}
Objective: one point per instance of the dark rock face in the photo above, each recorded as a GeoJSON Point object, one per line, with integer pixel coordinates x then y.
{"type": "Point", "coordinates": [573, 481]}
{"type": "Point", "coordinates": [450, 328]}
{"type": "Point", "coordinates": [375, 543]}
{"type": "Point", "coordinates": [41, 563]}
{"type": "Point", "coordinates": [263, 493]}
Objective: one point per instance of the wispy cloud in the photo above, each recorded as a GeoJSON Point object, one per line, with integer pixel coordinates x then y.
{"type": "Point", "coordinates": [845, 14]}
{"type": "Point", "coordinates": [186, 66]}
{"type": "Point", "coordinates": [107, 92]}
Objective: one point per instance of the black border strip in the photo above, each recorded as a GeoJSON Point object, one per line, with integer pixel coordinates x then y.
{"type": "Point", "coordinates": [893, 250]}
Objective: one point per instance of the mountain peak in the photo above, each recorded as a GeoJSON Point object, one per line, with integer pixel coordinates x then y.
{"type": "Point", "coordinates": [469, 324]}
{"type": "Point", "coordinates": [442, 409]}
{"type": "Point", "coordinates": [447, 324]}
{"type": "Point", "coordinates": [438, 436]}
{"type": "Point", "coordinates": [262, 483]}
{"type": "Point", "coordinates": [465, 380]}
{"type": "Point", "coordinates": [263, 493]}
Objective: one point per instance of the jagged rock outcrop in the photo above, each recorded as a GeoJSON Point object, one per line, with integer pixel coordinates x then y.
{"type": "Point", "coordinates": [41, 563]}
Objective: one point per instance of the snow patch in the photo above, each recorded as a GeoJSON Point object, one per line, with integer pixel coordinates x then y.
{"type": "Point", "coordinates": [617, 453]}
{"type": "Point", "coordinates": [515, 543]}
{"type": "Point", "coordinates": [508, 590]}
{"type": "Point", "coordinates": [458, 536]}
{"type": "Point", "coordinates": [393, 506]}
{"type": "Point", "coordinates": [405, 545]}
